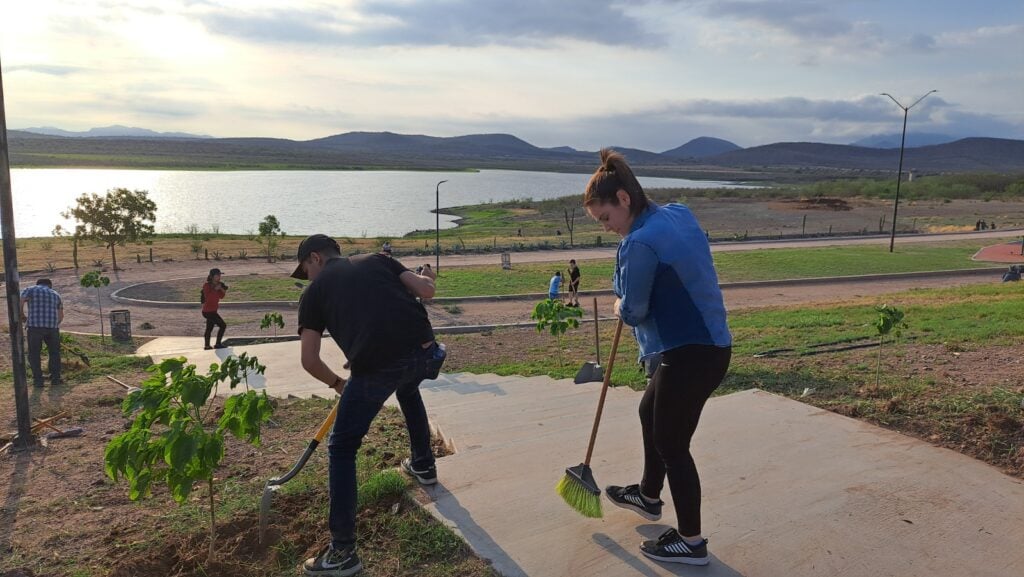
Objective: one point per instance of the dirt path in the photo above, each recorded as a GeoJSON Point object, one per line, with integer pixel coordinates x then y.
{"type": "Point", "coordinates": [81, 313]}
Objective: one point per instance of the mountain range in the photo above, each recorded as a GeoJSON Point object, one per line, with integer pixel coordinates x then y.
{"type": "Point", "coordinates": [372, 150]}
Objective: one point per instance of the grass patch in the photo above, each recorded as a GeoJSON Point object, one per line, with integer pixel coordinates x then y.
{"type": "Point", "coordinates": [737, 266]}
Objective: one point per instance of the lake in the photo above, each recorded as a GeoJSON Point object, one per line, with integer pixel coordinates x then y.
{"type": "Point", "coordinates": [339, 203]}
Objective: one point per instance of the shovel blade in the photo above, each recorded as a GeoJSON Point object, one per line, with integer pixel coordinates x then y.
{"type": "Point", "coordinates": [268, 496]}
{"type": "Point", "coordinates": [590, 372]}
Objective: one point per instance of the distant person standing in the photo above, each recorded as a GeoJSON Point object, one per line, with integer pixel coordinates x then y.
{"type": "Point", "coordinates": [213, 291]}
{"type": "Point", "coordinates": [555, 285]}
{"type": "Point", "coordinates": [43, 311]}
{"type": "Point", "coordinates": [386, 249]}
{"type": "Point", "coordinates": [574, 284]}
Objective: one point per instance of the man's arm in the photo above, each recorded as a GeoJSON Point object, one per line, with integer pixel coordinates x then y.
{"type": "Point", "coordinates": [60, 314]}
{"type": "Point", "coordinates": [420, 285]}
{"type": "Point", "coordinates": [314, 365]}
{"type": "Point", "coordinates": [24, 309]}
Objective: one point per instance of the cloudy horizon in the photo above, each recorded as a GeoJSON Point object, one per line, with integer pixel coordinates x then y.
{"type": "Point", "coordinates": [650, 74]}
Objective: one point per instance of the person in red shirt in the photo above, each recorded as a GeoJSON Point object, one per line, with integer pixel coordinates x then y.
{"type": "Point", "coordinates": [213, 291]}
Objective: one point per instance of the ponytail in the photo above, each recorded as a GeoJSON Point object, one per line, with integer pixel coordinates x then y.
{"type": "Point", "coordinates": [612, 176]}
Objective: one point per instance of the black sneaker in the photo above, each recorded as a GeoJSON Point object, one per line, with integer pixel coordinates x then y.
{"type": "Point", "coordinates": [220, 346]}
{"type": "Point", "coordinates": [672, 548]}
{"type": "Point", "coordinates": [425, 477]}
{"type": "Point", "coordinates": [630, 498]}
{"type": "Point", "coordinates": [334, 563]}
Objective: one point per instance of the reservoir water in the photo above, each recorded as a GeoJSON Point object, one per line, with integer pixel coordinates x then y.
{"type": "Point", "coordinates": [340, 203]}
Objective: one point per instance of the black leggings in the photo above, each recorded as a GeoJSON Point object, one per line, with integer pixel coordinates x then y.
{"type": "Point", "coordinates": [211, 320]}
{"type": "Point", "coordinates": [669, 412]}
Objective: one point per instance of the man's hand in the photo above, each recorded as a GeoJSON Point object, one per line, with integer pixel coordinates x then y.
{"type": "Point", "coordinates": [339, 385]}
{"type": "Point", "coordinates": [615, 307]}
{"type": "Point", "coordinates": [428, 272]}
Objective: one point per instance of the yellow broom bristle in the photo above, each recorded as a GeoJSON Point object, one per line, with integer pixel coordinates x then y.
{"type": "Point", "coordinates": [579, 498]}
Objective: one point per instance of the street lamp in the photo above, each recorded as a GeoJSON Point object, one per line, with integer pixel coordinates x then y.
{"type": "Point", "coordinates": [437, 236]}
{"type": "Point", "coordinates": [899, 171]}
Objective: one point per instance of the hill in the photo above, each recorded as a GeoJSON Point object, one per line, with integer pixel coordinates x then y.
{"type": "Point", "coordinates": [114, 131]}
{"type": "Point", "coordinates": [388, 150]}
{"type": "Point", "coordinates": [967, 154]}
{"type": "Point", "coordinates": [701, 147]}
{"type": "Point", "coordinates": [914, 139]}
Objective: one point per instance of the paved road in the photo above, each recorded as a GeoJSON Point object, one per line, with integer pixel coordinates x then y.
{"type": "Point", "coordinates": [609, 252]}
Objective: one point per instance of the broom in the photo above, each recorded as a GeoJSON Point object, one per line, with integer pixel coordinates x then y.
{"type": "Point", "coordinates": [577, 487]}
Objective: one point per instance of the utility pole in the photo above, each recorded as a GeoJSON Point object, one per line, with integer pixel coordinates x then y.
{"type": "Point", "coordinates": [437, 235]}
{"type": "Point", "coordinates": [25, 439]}
{"type": "Point", "coordinates": [899, 171]}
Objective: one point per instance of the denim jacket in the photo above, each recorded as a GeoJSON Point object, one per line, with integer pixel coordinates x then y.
{"type": "Point", "coordinates": [667, 282]}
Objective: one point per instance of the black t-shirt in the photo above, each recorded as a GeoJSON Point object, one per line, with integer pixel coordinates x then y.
{"type": "Point", "coordinates": [368, 311]}
{"type": "Point", "coordinates": [574, 277]}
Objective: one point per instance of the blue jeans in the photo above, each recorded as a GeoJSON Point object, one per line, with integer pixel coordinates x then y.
{"type": "Point", "coordinates": [362, 399]}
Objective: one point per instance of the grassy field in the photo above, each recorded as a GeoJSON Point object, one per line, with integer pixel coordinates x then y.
{"type": "Point", "coordinates": [597, 274]}
{"type": "Point", "coordinates": [961, 317]}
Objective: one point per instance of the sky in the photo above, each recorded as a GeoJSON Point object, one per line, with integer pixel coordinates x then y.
{"type": "Point", "coordinates": [649, 74]}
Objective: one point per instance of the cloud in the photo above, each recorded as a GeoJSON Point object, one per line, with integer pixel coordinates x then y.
{"type": "Point", "coordinates": [800, 18]}
{"type": "Point", "coordinates": [979, 35]}
{"type": "Point", "coordinates": [51, 69]}
{"type": "Point", "coordinates": [460, 23]}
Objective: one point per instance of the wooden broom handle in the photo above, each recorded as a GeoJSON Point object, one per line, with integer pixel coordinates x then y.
{"type": "Point", "coordinates": [604, 391]}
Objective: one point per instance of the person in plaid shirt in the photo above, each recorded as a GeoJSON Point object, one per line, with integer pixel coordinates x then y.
{"type": "Point", "coordinates": [43, 311]}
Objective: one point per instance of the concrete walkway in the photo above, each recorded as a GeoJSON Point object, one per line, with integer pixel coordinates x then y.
{"type": "Point", "coordinates": [789, 490]}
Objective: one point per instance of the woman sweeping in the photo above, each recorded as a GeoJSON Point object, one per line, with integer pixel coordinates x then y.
{"type": "Point", "coordinates": [213, 291]}
{"type": "Point", "coordinates": [668, 292]}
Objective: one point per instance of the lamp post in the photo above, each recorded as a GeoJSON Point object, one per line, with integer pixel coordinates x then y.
{"type": "Point", "coordinates": [437, 236]}
{"type": "Point", "coordinates": [899, 171]}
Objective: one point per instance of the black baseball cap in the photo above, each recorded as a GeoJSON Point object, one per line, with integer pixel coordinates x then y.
{"type": "Point", "coordinates": [214, 271]}
{"type": "Point", "coordinates": [311, 244]}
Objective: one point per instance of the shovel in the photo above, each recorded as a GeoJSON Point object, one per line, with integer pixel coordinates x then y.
{"type": "Point", "coordinates": [592, 371]}
{"type": "Point", "coordinates": [276, 482]}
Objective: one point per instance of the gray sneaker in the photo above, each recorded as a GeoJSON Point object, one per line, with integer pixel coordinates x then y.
{"type": "Point", "coordinates": [672, 548]}
{"type": "Point", "coordinates": [425, 477]}
{"type": "Point", "coordinates": [629, 497]}
{"type": "Point", "coordinates": [334, 563]}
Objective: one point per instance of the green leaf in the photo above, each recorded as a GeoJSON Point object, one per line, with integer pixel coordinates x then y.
{"type": "Point", "coordinates": [180, 449]}
{"type": "Point", "coordinates": [195, 390]}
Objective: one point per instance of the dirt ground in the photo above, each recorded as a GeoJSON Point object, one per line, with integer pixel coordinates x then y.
{"type": "Point", "coordinates": [57, 501]}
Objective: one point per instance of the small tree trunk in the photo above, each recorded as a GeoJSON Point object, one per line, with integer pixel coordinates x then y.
{"type": "Point", "coordinates": [99, 301]}
{"type": "Point", "coordinates": [878, 363]}
{"type": "Point", "coordinates": [213, 523]}
{"type": "Point", "coordinates": [113, 256]}
{"type": "Point", "coordinates": [74, 251]}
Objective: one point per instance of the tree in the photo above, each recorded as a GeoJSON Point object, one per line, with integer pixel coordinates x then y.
{"type": "Point", "coordinates": [570, 222]}
{"type": "Point", "coordinates": [117, 218]}
{"type": "Point", "coordinates": [553, 315]}
{"type": "Point", "coordinates": [60, 232]}
{"type": "Point", "coordinates": [273, 319]}
{"type": "Point", "coordinates": [270, 233]}
{"type": "Point", "coordinates": [94, 280]}
{"type": "Point", "coordinates": [174, 437]}
{"type": "Point", "coordinates": [890, 320]}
